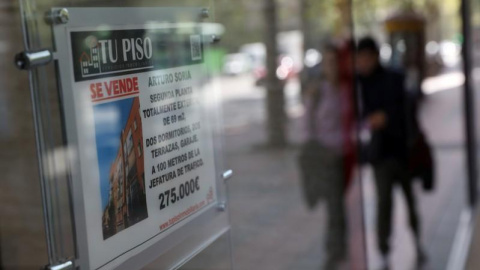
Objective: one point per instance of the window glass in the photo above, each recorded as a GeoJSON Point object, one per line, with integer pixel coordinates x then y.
{"type": "Point", "coordinates": [342, 122]}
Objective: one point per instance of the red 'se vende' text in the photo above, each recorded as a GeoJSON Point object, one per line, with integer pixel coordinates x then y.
{"type": "Point", "coordinates": [113, 89]}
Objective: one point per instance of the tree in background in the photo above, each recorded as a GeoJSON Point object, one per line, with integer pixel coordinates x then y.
{"type": "Point", "coordinates": [442, 16]}
{"type": "Point", "coordinates": [242, 20]}
{"type": "Point", "coordinates": [275, 99]}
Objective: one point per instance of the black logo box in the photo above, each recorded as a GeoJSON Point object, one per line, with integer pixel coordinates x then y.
{"type": "Point", "coordinates": [171, 47]}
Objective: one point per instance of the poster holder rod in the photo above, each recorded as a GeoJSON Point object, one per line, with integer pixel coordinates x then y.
{"type": "Point", "coordinates": [27, 60]}
{"type": "Point", "coordinates": [62, 266]}
{"type": "Point", "coordinates": [227, 175]}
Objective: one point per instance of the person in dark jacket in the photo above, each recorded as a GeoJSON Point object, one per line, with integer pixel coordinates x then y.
{"type": "Point", "coordinates": [383, 112]}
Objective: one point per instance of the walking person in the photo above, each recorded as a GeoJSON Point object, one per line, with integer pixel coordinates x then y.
{"type": "Point", "coordinates": [328, 123]}
{"type": "Point", "coordinates": [383, 112]}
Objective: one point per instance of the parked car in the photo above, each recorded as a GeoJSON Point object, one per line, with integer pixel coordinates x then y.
{"type": "Point", "coordinates": [236, 63]}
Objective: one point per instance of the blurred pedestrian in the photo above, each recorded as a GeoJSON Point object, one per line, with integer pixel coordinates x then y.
{"type": "Point", "coordinates": [328, 124]}
{"type": "Point", "coordinates": [383, 111]}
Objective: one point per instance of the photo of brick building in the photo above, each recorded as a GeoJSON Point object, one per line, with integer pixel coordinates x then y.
{"type": "Point", "coordinates": [126, 198]}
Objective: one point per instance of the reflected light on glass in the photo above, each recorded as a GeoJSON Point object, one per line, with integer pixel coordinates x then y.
{"type": "Point", "coordinates": [385, 52]}
{"type": "Point", "coordinates": [443, 82]}
{"type": "Point", "coordinates": [450, 53]}
{"type": "Point", "coordinates": [58, 159]}
{"type": "Point", "coordinates": [312, 57]}
{"type": "Point", "coordinates": [432, 48]}
{"type": "Point", "coordinates": [287, 62]}
{"type": "Point", "coordinates": [282, 72]}
{"type": "Point", "coordinates": [401, 46]}
{"type": "Point", "coordinates": [104, 27]}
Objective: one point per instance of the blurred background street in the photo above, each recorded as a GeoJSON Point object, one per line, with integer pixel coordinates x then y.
{"type": "Point", "coordinates": [268, 210]}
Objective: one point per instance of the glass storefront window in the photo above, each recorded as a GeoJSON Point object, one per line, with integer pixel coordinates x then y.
{"type": "Point", "coordinates": [344, 124]}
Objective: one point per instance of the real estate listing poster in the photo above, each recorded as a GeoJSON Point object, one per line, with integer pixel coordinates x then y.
{"type": "Point", "coordinates": [138, 95]}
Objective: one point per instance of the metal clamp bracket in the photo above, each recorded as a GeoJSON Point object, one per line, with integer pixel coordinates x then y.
{"type": "Point", "coordinates": [227, 175]}
{"type": "Point", "coordinates": [30, 60]}
{"type": "Point", "coordinates": [222, 206]}
{"type": "Point", "coordinates": [63, 266]}
{"type": "Point", "coordinates": [60, 16]}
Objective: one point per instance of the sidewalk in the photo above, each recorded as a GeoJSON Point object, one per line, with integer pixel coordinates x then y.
{"type": "Point", "coordinates": [272, 227]}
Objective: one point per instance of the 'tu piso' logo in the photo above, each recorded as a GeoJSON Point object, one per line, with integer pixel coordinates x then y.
{"type": "Point", "coordinates": [90, 59]}
{"type": "Point", "coordinates": [109, 56]}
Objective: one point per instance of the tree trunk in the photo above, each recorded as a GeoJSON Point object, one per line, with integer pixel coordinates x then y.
{"type": "Point", "coordinates": [276, 118]}
{"type": "Point", "coordinates": [305, 27]}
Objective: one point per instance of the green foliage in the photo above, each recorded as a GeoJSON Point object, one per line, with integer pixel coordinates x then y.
{"type": "Point", "coordinates": [244, 22]}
